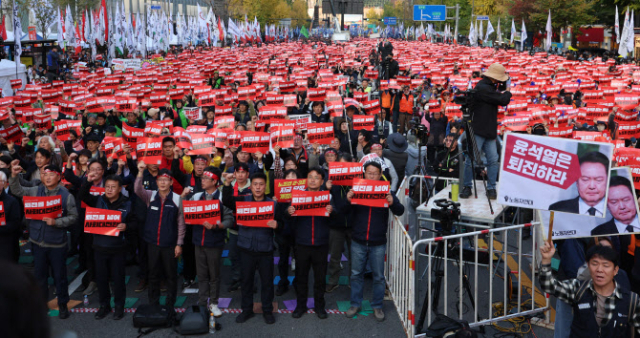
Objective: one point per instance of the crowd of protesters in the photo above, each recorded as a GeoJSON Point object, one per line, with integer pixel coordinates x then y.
{"type": "Point", "coordinates": [153, 233]}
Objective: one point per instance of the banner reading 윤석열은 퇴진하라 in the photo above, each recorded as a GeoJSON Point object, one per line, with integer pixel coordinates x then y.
{"type": "Point", "coordinates": [622, 209]}
{"type": "Point", "coordinates": [556, 174]}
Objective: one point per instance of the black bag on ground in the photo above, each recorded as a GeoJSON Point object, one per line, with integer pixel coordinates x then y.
{"type": "Point", "coordinates": [154, 317]}
{"type": "Point", "coordinates": [443, 326]}
{"type": "Point", "coordinates": [194, 321]}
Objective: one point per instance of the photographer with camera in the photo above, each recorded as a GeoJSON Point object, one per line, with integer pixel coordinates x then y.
{"type": "Point", "coordinates": [390, 68]}
{"type": "Point", "coordinates": [492, 91]}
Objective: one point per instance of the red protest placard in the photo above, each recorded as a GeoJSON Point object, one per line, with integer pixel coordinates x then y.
{"type": "Point", "coordinates": [627, 130]}
{"type": "Point", "coordinates": [343, 173]}
{"type": "Point", "coordinates": [321, 133]}
{"type": "Point", "coordinates": [130, 135]}
{"type": "Point", "coordinates": [37, 208]}
{"type": "Point", "coordinates": [255, 141]}
{"type": "Point", "coordinates": [95, 191]}
{"type": "Point", "coordinates": [15, 84]}
{"type": "Point", "coordinates": [102, 221]}
{"type": "Point", "coordinates": [539, 162]}
{"type": "Point", "coordinates": [220, 136]}
{"type": "Point", "coordinates": [516, 123]}
{"type": "Point", "coordinates": [3, 218]}
{"type": "Point", "coordinates": [282, 136]}
{"type": "Point", "coordinates": [183, 138]}
{"type": "Point", "coordinates": [254, 214]}
{"type": "Point", "coordinates": [150, 150]}
{"type": "Point", "coordinates": [199, 212]}
{"type": "Point", "coordinates": [196, 129]}
{"type": "Point", "coordinates": [126, 104]}
{"type": "Point", "coordinates": [268, 113]}
{"type": "Point", "coordinates": [13, 133]}
{"type": "Point", "coordinates": [224, 122]}
{"type": "Point", "coordinates": [371, 107]}
{"type": "Point", "coordinates": [370, 193]}
{"type": "Point", "coordinates": [42, 122]}
{"type": "Point", "coordinates": [363, 122]}
{"type": "Point", "coordinates": [235, 138]}
{"type": "Point", "coordinates": [311, 203]}
{"type": "Point", "coordinates": [284, 188]}
{"type": "Point", "coordinates": [202, 144]}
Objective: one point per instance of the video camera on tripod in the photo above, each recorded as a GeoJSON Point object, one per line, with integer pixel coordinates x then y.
{"type": "Point", "coordinates": [420, 131]}
{"type": "Point", "coordinates": [466, 99]}
{"type": "Point", "coordinates": [447, 214]}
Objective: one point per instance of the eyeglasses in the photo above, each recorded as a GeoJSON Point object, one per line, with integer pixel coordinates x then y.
{"type": "Point", "coordinates": [96, 170]}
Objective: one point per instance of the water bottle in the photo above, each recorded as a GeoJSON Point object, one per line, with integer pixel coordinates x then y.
{"type": "Point", "coordinates": [212, 324]}
{"type": "Point", "coordinates": [86, 300]}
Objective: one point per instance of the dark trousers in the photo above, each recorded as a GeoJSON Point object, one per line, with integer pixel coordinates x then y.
{"type": "Point", "coordinates": [188, 256]}
{"type": "Point", "coordinates": [143, 257]}
{"type": "Point", "coordinates": [285, 247]}
{"type": "Point", "coordinates": [111, 266]}
{"type": "Point", "coordinates": [56, 260]}
{"type": "Point", "coordinates": [162, 260]}
{"type": "Point", "coordinates": [337, 238]}
{"type": "Point", "coordinates": [234, 257]}
{"type": "Point", "coordinates": [8, 245]}
{"type": "Point", "coordinates": [308, 257]}
{"type": "Point", "coordinates": [263, 262]}
{"type": "Point", "coordinates": [85, 257]}
{"type": "Point", "coordinates": [208, 267]}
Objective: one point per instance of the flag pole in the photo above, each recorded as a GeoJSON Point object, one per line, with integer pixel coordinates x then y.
{"type": "Point", "coordinates": [16, 58]}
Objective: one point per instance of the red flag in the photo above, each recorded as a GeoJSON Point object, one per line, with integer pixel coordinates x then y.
{"type": "Point", "coordinates": [103, 7]}
{"type": "Point", "coordinates": [220, 30]}
{"type": "Point", "coordinates": [4, 29]}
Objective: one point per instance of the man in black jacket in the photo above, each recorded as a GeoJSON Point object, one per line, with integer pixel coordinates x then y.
{"type": "Point", "coordinates": [9, 223]}
{"type": "Point", "coordinates": [485, 125]}
{"type": "Point", "coordinates": [110, 252]}
{"type": "Point", "coordinates": [312, 247]}
{"type": "Point", "coordinates": [256, 249]}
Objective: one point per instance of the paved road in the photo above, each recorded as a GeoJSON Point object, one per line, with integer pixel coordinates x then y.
{"type": "Point", "coordinates": [83, 323]}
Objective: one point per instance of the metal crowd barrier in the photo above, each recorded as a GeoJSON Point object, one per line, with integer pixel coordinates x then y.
{"type": "Point", "coordinates": [400, 273]}
{"type": "Point", "coordinates": [460, 250]}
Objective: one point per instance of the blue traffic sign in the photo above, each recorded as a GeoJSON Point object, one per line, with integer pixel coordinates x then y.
{"type": "Point", "coordinates": [390, 20]}
{"type": "Point", "coordinates": [429, 12]}
{"type": "Point", "coordinates": [482, 17]}
{"type": "Point", "coordinates": [155, 7]}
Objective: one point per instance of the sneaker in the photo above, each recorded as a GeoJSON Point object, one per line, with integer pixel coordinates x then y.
{"type": "Point", "coordinates": [352, 311]}
{"type": "Point", "coordinates": [293, 264]}
{"type": "Point", "coordinates": [187, 284]}
{"type": "Point", "coordinates": [244, 316]}
{"type": "Point", "coordinates": [281, 290]}
{"type": "Point", "coordinates": [492, 194]}
{"type": "Point", "coordinates": [466, 192]}
{"type": "Point", "coordinates": [331, 288]}
{"type": "Point", "coordinates": [119, 313]}
{"type": "Point", "coordinates": [322, 313]}
{"type": "Point", "coordinates": [102, 312]}
{"type": "Point", "coordinates": [142, 285]}
{"type": "Point", "coordinates": [63, 312]}
{"type": "Point", "coordinates": [298, 312]}
{"type": "Point", "coordinates": [215, 310]}
{"type": "Point", "coordinates": [91, 288]}
{"type": "Point", "coordinates": [234, 286]}
{"type": "Point", "coordinates": [378, 314]}
{"type": "Point", "coordinates": [387, 295]}
{"type": "Point", "coordinates": [163, 286]}
{"type": "Point", "coordinates": [269, 318]}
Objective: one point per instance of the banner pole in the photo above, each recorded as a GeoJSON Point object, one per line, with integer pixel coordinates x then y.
{"type": "Point", "coordinates": [550, 233]}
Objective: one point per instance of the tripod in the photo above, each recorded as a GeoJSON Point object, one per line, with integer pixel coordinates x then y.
{"type": "Point", "coordinates": [474, 154]}
{"type": "Point", "coordinates": [439, 270]}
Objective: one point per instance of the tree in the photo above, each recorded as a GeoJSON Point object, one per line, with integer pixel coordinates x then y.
{"type": "Point", "coordinates": [299, 13]}
{"type": "Point", "coordinates": [45, 15]}
{"type": "Point", "coordinates": [564, 13]}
